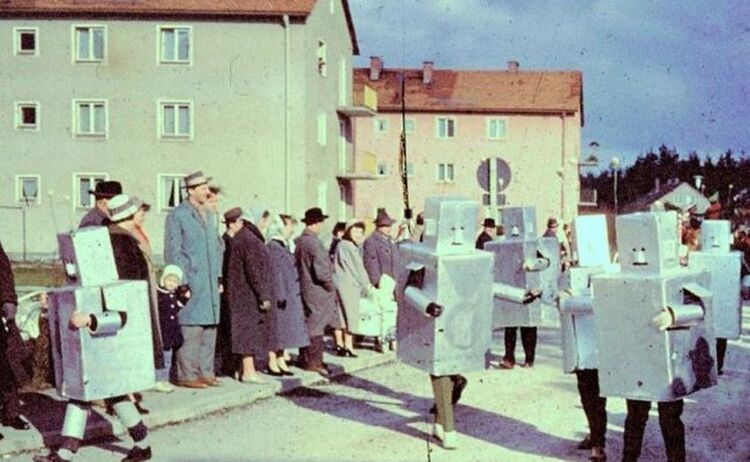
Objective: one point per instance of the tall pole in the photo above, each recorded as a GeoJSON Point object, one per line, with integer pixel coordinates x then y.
{"type": "Point", "coordinates": [616, 175]}
{"type": "Point", "coordinates": [615, 165]}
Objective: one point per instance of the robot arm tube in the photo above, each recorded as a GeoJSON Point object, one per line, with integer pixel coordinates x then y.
{"type": "Point", "coordinates": [685, 314]}
{"type": "Point", "coordinates": [576, 305]}
{"type": "Point", "coordinates": [417, 298]}
{"type": "Point", "coordinates": [107, 323]}
{"type": "Point", "coordinates": [508, 292]}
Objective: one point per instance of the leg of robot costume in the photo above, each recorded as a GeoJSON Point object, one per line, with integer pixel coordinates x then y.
{"type": "Point", "coordinates": [128, 415]}
{"type": "Point", "coordinates": [528, 340]}
{"type": "Point", "coordinates": [672, 430]}
{"type": "Point", "coordinates": [635, 424]}
{"type": "Point", "coordinates": [74, 426]}
{"type": "Point", "coordinates": [593, 406]}
{"type": "Point", "coordinates": [721, 351]}
{"type": "Point", "coordinates": [510, 344]}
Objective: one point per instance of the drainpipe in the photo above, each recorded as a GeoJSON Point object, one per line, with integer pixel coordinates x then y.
{"type": "Point", "coordinates": [287, 154]}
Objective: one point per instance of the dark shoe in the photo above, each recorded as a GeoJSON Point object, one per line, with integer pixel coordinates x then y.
{"type": "Point", "coordinates": [506, 364]}
{"type": "Point", "coordinates": [137, 454]}
{"type": "Point", "coordinates": [602, 458]}
{"type": "Point", "coordinates": [585, 444]}
{"type": "Point", "coordinates": [210, 381]}
{"type": "Point", "coordinates": [320, 370]}
{"type": "Point", "coordinates": [433, 409]}
{"type": "Point", "coordinates": [340, 351]}
{"type": "Point", "coordinates": [273, 373]}
{"type": "Point", "coordinates": [349, 353]}
{"type": "Point", "coordinates": [16, 423]}
{"type": "Point", "coordinates": [191, 384]}
{"type": "Point", "coordinates": [51, 457]}
{"type": "Point", "coordinates": [287, 373]}
{"type": "Point", "coordinates": [458, 388]}
{"type": "Point", "coordinates": [141, 410]}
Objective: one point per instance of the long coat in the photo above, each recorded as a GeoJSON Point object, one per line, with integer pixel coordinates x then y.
{"type": "Point", "coordinates": [253, 332]}
{"type": "Point", "coordinates": [351, 280]}
{"type": "Point", "coordinates": [316, 284]}
{"type": "Point", "coordinates": [132, 264]}
{"type": "Point", "coordinates": [190, 242]}
{"type": "Point", "coordinates": [12, 351]}
{"type": "Point", "coordinates": [290, 317]}
{"type": "Point", "coordinates": [380, 256]}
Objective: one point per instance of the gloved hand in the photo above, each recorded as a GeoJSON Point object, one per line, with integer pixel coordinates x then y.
{"type": "Point", "coordinates": [9, 311]}
{"type": "Point", "coordinates": [434, 310]}
{"type": "Point", "coordinates": [532, 295]}
{"type": "Point", "coordinates": [265, 305]}
{"type": "Point", "coordinates": [281, 304]}
{"type": "Point", "coordinates": [663, 320]}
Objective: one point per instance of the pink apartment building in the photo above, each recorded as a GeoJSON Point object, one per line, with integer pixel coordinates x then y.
{"type": "Point", "coordinates": [455, 120]}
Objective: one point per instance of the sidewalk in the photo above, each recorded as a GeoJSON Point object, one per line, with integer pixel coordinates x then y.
{"type": "Point", "coordinates": [45, 411]}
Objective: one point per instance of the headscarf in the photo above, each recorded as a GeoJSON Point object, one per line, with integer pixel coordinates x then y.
{"type": "Point", "coordinates": [276, 228]}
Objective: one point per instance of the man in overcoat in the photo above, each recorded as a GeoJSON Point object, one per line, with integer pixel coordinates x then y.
{"type": "Point", "coordinates": [318, 292]}
{"type": "Point", "coordinates": [191, 244]}
{"type": "Point", "coordinates": [99, 214]}
{"type": "Point", "coordinates": [379, 252]}
{"type": "Point", "coordinates": [489, 232]}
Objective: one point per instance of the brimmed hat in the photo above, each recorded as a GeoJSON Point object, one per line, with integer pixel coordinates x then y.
{"type": "Point", "coordinates": [552, 221]}
{"type": "Point", "coordinates": [314, 215]}
{"type": "Point", "coordinates": [106, 189]}
{"type": "Point", "coordinates": [232, 215]}
{"type": "Point", "coordinates": [383, 219]}
{"type": "Point", "coordinates": [489, 223]}
{"type": "Point", "coordinates": [171, 270]}
{"type": "Point", "coordinates": [196, 179]}
{"type": "Point", "coordinates": [121, 207]}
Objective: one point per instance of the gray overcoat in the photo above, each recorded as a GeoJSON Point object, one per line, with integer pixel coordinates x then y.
{"type": "Point", "coordinates": [290, 317]}
{"type": "Point", "coordinates": [190, 242]}
{"type": "Point", "coordinates": [316, 284]}
{"type": "Point", "coordinates": [380, 255]}
{"type": "Point", "coordinates": [351, 280]}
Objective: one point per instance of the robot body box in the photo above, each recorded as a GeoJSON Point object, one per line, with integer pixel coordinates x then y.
{"type": "Point", "coordinates": [637, 360]}
{"type": "Point", "coordinates": [117, 357]}
{"type": "Point", "coordinates": [459, 339]}
{"type": "Point", "coordinates": [725, 268]}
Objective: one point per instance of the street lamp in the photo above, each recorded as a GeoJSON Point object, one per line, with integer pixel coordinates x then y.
{"type": "Point", "coordinates": [614, 164]}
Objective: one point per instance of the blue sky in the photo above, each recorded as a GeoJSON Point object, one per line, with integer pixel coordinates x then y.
{"type": "Point", "coordinates": [672, 72]}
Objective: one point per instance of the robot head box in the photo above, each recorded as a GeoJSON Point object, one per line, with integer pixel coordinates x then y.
{"type": "Point", "coordinates": [648, 242]}
{"type": "Point", "coordinates": [715, 236]}
{"type": "Point", "coordinates": [592, 240]}
{"type": "Point", "coordinates": [520, 222]}
{"type": "Point", "coordinates": [87, 256]}
{"type": "Point", "coordinates": [450, 225]}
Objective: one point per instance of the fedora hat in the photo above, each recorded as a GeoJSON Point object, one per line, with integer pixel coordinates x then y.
{"type": "Point", "coordinates": [383, 219]}
{"type": "Point", "coordinates": [232, 215]}
{"type": "Point", "coordinates": [106, 189]}
{"type": "Point", "coordinates": [121, 207]}
{"type": "Point", "coordinates": [489, 223]}
{"type": "Point", "coordinates": [196, 179]}
{"type": "Point", "coordinates": [314, 215]}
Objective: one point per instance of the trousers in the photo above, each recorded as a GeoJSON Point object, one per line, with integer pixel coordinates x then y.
{"type": "Point", "coordinates": [195, 358]}
{"type": "Point", "coordinates": [528, 340]}
{"type": "Point", "coordinates": [594, 406]}
{"type": "Point", "coordinates": [672, 429]}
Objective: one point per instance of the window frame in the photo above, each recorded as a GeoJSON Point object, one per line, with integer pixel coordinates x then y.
{"type": "Point", "coordinates": [437, 127]}
{"type": "Point", "coordinates": [18, 185]}
{"type": "Point", "coordinates": [445, 179]}
{"type": "Point", "coordinates": [18, 116]}
{"type": "Point", "coordinates": [17, 31]}
{"type": "Point", "coordinates": [161, 203]}
{"type": "Point", "coordinates": [413, 128]}
{"type": "Point", "coordinates": [489, 121]}
{"type": "Point", "coordinates": [376, 124]}
{"type": "Point", "coordinates": [384, 173]}
{"type": "Point", "coordinates": [76, 122]}
{"type": "Point", "coordinates": [191, 41]}
{"type": "Point", "coordinates": [75, 48]}
{"type": "Point", "coordinates": [160, 106]}
{"type": "Point", "coordinates": [77, 176]}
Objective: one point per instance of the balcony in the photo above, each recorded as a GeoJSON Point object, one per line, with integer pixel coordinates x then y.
{"type": "Point", "coordinates": [588, 198]}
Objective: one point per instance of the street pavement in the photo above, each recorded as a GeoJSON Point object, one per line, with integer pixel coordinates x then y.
{"type": "Point", "coordinates": [380, 414]}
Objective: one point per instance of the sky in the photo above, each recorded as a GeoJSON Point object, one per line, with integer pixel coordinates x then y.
{"type": "Point", "coordinates": [673, 72]}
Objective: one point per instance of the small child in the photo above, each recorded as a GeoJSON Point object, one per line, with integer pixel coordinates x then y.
{"type": "Point", "coordinates": [172, 297]}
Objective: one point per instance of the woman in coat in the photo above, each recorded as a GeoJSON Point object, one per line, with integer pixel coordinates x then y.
{"type": "Point", "coordinates": [290, 317]}
{"type": "Point", "coordinates": [351, 281]}
{"type": "Point", "coordinates": [249, 298]}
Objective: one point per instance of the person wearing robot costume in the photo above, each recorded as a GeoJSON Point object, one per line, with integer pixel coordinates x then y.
{"type": "Point", "coordinates": [577, 326]}
{"type": "Point", "coordinates": [101, 335]}
{"type": "Point", "coordinates": [527, 269]}
{"type": "Point", "coordinates": [654, 330]}
{"type": "Point", "coordinates": [725, 266]}
{"type": "Point", "coordinates": [444, 294]}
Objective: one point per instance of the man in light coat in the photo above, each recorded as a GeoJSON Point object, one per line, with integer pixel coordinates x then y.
{"type": "Point", "coordinates": [380, 253]}
{"type": "Point", "coordinates": [191, 244]}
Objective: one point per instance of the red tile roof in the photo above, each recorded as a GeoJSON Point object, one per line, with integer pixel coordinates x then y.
{"type": "Point", "coordinates": [476, 91]}
{"type": "Point", "coordinates": [150, 8]}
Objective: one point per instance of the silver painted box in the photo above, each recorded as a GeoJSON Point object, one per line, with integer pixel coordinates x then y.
{"type": "Point", "coordinates": [87, 256]}
{"type": "Point", "coordinates": [636, 359]}
{"type": "Point", "coordinates": [725, 268]}
{"type": "Point", "coordinates": [114, 360]}
{"type": "Point", "coordinates": [523, 219]}
{"type": "Point", "coordinates": [459, 340]}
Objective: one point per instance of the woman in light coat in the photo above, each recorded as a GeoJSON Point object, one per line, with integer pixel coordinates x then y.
{"type": "Point", "coordinates": [351, 281]}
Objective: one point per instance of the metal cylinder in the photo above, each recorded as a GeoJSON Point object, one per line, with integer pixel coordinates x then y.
{"type": "Point", "coordinates": [507, 292]}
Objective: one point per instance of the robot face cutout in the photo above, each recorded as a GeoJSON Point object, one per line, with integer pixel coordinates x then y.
{"type": "Point", "coordinates": [648, 242]}
{"type": "Point", "coordinates": [450, 225]}
{"type": "Point", "coordinates": [715, 235]}
{"type": "Point", "coordinates": [521, 218]}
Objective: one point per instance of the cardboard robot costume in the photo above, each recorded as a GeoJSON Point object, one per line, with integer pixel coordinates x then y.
{"type": "Point", "coordinates": [653, 318]}
{"type": "Point", "coordinates": [526, 271]}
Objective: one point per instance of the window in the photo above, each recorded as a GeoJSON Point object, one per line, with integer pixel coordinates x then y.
{"type": "Point", "coordinates": [445, 173]}
{"type": "Point", "coordinates": [322, 129]}
{"type": "Point", "coordinates": [27, 116]}
{"type": "Point", "coordinates": [175, 45]}
{"type": "Point", "coordinates": [382, 169]}
{"type": "Point", "coordinates": [410, 126]}
{"type": "Point", "coordinates": [381, 125]}
{"type": "Point", "coordinates": [25, 40]}
{"type": "Point", "coordinates": [175, 120]}
{"type": "Point", "coordinates": [83, 184]}
{"type": "Point", "coordinates": [410, 169]}
{"type": "Point", "coordinates": [90, 43]}
{"type": "Point", "coordinates": [90, 118]}
{"type": "Point", "coordinates": [322, 58]}
{"type": "Point", "coordinates": [446, 127]}
{"type": "Point", "coordinates": [171, 192]}
{"type": "Point", "coordinates": [28, 189]}
{"type": "Point", "coordinates": [497, 128]}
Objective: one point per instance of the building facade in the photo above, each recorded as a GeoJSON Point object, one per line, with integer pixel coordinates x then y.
{"type": "Point", "coordinates": [457, 124]}
{"type": "Point", "coordinates": [250, 92]}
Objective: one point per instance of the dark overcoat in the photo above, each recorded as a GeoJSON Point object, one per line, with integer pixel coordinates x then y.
{"type": "Point", "coordinates": [380, 255]}
{"type": "Point", "coordinates": [290, 317]}
{"type": "Point", "coordinates": [170, 304]}
{"type": "Point", "coordinates": [13, 353]}
{"type": "Point", "coordinates": [316, 284]}
{"type": "Point", "coordinates": [482, 239]}
{"type": "Point", "coordinates": [253, 332]}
